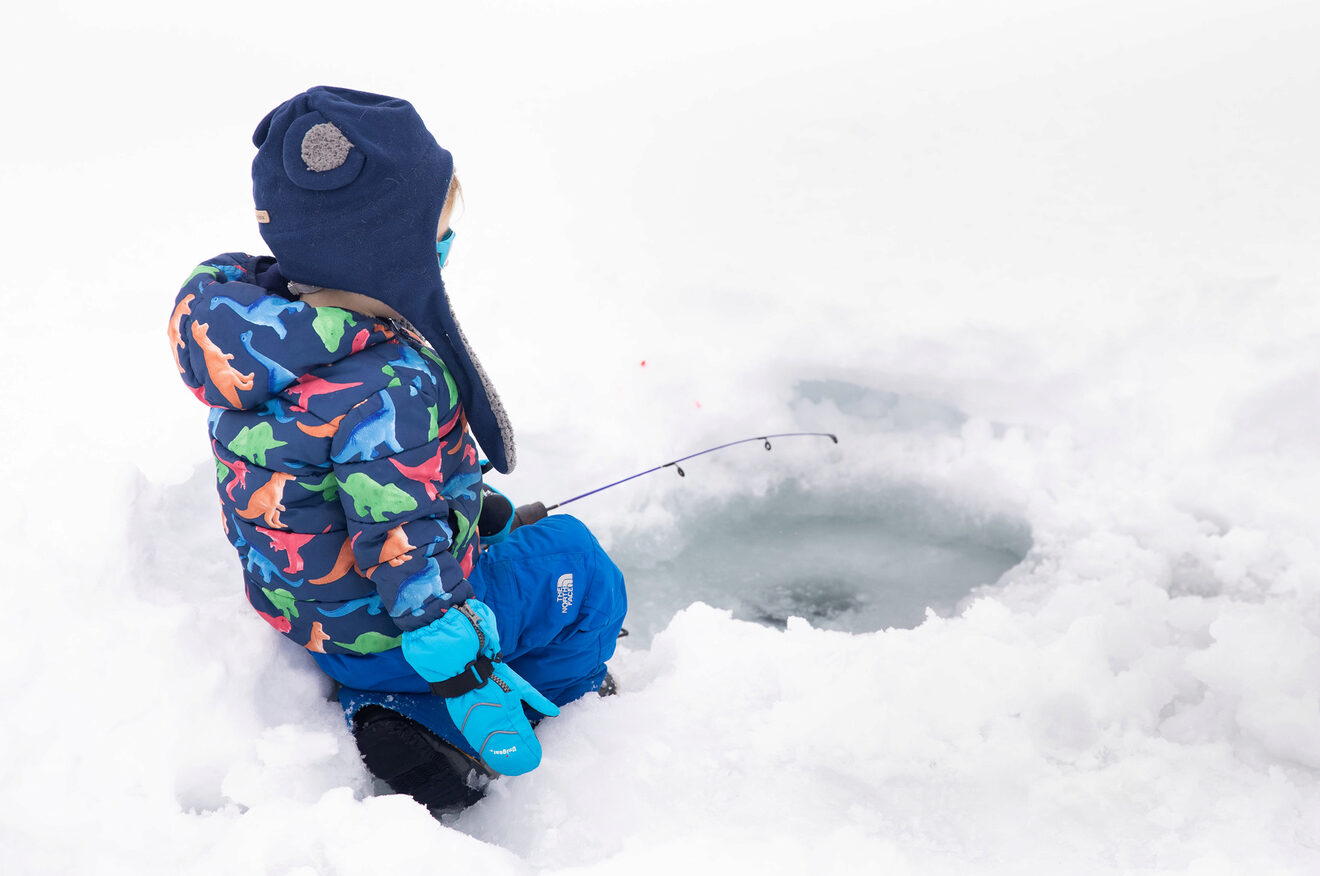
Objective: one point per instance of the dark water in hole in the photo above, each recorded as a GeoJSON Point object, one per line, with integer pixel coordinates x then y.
{"type": "Point", "coordinates": [861, 561]}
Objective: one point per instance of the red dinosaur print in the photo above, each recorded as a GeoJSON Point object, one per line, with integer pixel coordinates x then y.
{"type": "Point", "coordinates": [176, 322]}
{"type": "Point", "coordinates": [325, 430]}
{"type": "Point", "coordinates": [360, 342]}
{"type": "Point", "coordinates": [226, 377]}
{"type": "Point", "coordinates": [281, 623]}
{"type": "Point", "coordinates": [449, 424]}
{"type": "Point", "coordinates": [425, 473]}
{"type": "Point", "coordinates": [466, 563]}
{"type": "Point", "coordinates": [316, 641]}
{"type": "Point", "coordinates": [309, 386]}
{"type": "Point", "coordinates": [290, 543]}
{"type": "Point", "coordinates": [240, 470]}
{"type": "Point", "coordinates": [267, 501]}
{"type": "Point", "coordinates": [343, 565]}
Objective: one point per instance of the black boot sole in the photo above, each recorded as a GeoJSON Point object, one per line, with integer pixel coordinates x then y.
{"type": "Point", "coordinates": [414, 761]}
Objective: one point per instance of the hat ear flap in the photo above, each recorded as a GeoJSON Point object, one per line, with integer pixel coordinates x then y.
{"type": "Point", "coordinates": [318, 156]}
{"type": "Point", "coordinates": [263, 129]}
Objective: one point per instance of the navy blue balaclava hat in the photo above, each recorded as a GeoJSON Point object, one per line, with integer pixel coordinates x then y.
{"type": "Point", "coordinates": [349, 187]}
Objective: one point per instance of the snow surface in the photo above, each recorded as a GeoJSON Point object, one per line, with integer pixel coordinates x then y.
{"type": "Point", "coordinates": [1049, 270]}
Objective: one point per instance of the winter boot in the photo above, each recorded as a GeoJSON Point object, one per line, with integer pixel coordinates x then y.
{"type": "Point", "coordinates": [414, 761]}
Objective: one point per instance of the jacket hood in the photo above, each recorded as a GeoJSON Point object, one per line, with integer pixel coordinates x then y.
{"type": "Point", "coordinates": [238, 340]}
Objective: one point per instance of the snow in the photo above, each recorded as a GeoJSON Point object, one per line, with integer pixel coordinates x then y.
{"type": "Point", "coordinates": [1048, 269]}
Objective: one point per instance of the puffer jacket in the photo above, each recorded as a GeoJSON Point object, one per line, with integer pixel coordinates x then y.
{"type": "Point", "coordinates": [349, 483]}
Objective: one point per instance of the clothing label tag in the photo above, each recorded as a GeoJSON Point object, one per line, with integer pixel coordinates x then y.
{"type": "Point", "coordinates": [263, 217]}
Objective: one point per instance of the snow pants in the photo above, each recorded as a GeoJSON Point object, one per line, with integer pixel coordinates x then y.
{"type": "Point", "coordinates": [559, 602]}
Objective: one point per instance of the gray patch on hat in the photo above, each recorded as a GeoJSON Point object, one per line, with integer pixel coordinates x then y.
{"type": "Point", "coordinates": [324, 147]}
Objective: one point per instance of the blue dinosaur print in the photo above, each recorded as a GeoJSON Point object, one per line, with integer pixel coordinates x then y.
{"type": "Point", "coordinates": [232, 272]}
{"type": "Point", "coordinates": [372, 602]}
{"type": "Point", "coordinates": [273, 408]}
{"type": "Point", "coordinates": [266, 311]}
{"type": "Point", "coordinates": [410, 358]}
{"type": "Point", "coordinates": [280, 376]}
{"type": "Point", "coordinates": [416, 589]}
{"type": "Point", "coordinates": [236, 537]}
{"type": "Point", "coordinates": [266, 568]}
{"type": "Point", "coordinates": [374, 430]}
{"type": "Point", "coordinates": [460, 486]}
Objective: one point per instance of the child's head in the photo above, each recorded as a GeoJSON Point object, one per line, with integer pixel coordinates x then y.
{"type": "Point", "coordinates": [352, 193]}
{"type": "Point", "coordinates": [350, 189]}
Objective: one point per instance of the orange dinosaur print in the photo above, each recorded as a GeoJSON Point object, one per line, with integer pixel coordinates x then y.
{"type": "Point", "coordinates": [267, 501]}
{"type": "Point", "coordinates": [462, 430]}
{"type": "Point", "coordinates": [318, 637]}
{"type": "Point", "coordinates": [325, 430]}
{"type": "Point", "coordinates": [290, 543]}
{"type": "Point", "coordinates": [181, 310]}
{"type": "Point", "coordinates": [226, 377]}
{"type": "Point", "coordinates": [396, 547]}
{"type": "Point", "coordinates": [343, 565]}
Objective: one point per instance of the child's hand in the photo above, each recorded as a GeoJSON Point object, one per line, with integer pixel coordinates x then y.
{"type": "Point", "coordinates": [492, 720]}
{"type": "Point", "coordinates": [459, 655]}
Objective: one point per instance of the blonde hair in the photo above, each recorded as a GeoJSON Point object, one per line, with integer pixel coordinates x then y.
{"type": "Point", "coordinates": [452, 197]}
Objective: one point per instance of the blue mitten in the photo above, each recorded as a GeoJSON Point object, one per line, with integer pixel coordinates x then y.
{"type": "Point", "coordinates": [459, 655]}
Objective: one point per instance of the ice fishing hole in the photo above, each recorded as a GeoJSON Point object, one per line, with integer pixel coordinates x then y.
{"type": "Point", "coordinates": [864, 560]}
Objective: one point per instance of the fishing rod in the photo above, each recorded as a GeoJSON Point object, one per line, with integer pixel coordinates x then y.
{"type": "Point", "coordinates": [679, 468]}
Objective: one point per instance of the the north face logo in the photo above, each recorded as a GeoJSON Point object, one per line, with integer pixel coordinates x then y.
{"type": "Point", "coordinates": [564, 592]}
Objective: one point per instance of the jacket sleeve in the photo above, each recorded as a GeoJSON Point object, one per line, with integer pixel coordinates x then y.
{"type": "Point", "coordinates": [395, 467]}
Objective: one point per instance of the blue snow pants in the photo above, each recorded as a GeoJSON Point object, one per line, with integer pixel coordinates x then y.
{"type": "Point", "coordinates": [559, 602]}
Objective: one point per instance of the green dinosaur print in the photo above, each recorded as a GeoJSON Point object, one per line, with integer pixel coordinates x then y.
{"type": "Point", "coordinates": [253, 442]}
{"type": "Point", "coordinates": [202, 269]}
{"type": "Point", "coordinates": [329, 324]}
{"type": "Point", "coordinates": [453, 387]}
{"type": "Point", "coordinates": [328, 487]}
{"type": "Point", "coordinates": [375, 499]}
{"type": "Point", "coordinates": [394, 378]}
{"type": "Point", "coordinates": [221, 472]}
{"type": "Point", "coordinates": [444, 371]}
{"type": "Point", "coordinates": [434, 432]}
{"type": "Point", "coordinates": [464, 527]}
{"type": "Point", "coordinates": [283, 601]}
{"type": "Point", "coordinates": [371, 643]}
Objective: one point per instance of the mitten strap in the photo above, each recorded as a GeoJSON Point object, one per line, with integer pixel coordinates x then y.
{"type": "Point", "coordinates": [473, 676]}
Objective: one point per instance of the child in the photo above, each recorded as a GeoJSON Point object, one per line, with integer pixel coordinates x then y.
{"type": "Point", "coordinates": [341, 395]}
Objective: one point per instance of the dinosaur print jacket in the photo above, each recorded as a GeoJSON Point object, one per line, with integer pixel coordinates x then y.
{"type": "Point", "coordinates": [348, 482]}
